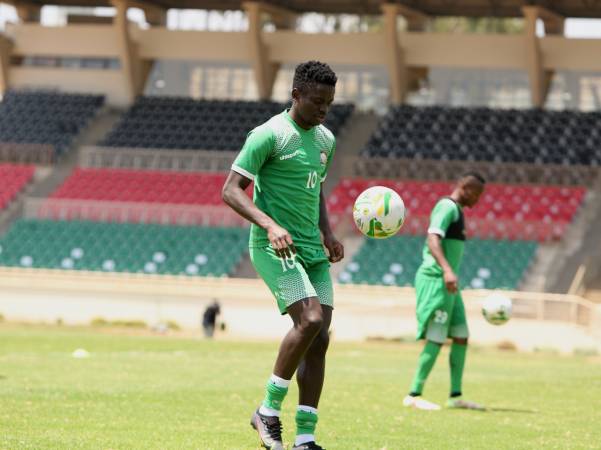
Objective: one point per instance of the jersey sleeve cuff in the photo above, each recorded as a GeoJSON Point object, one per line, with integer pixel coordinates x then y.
{"type": "Point", "coordinates": [438, 231]}
{"type": "Point", "coordinates": [243, 172]}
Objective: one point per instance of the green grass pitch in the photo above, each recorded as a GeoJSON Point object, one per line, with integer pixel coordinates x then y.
{"type": "Point", "coordinates": [148, 392]}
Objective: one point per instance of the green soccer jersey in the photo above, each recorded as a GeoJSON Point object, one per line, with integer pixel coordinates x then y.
{"type": "Point", "coordinates": [287, 164]}
{"type": "Point", "coordinates": [446, 221]}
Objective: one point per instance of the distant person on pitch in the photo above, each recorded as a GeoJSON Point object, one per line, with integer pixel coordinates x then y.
{"type": "Point", "coordinates": [440, 311]}
{"type": "Point", "coordinates": [209, 318]}
{"type": "Point", "coordinates": [288, 158]}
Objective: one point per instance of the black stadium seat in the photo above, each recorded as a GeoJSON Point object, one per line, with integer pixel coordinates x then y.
{"type": "Point", "coordinates": [41, 117]}
{"type": "Point", "coordinates": [184, 123]}
{"type": "Point", "coordinates": [484, 134]}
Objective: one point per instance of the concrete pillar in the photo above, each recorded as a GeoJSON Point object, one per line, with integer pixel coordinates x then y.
{"type": "Point", "coordinates": [534, 61]}
{"type": "Point", "coordinates": [397, 69]}
{"type": "Point", "coordinates": [131, 66]}
{"type": "Point", "coordinates": [5, 52]}
{"type": "Point", "coordinates": [265, 71]}
{"type": "Point", "coordinates": [156, 17]}
{"type": "Point", "coordinates": [540, 80]}
{"type": "Point", "coordinates": [402, 78]}
{"type": "Point", "coordinates": [28, 12]}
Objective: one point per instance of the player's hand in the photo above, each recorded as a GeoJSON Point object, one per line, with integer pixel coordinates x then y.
{"type": "Point", "coordinates": [335, 248]}
{"type": "Point", "coordinates": [450, 281]}
{"type": "Point", "coordinates": [281, 241]}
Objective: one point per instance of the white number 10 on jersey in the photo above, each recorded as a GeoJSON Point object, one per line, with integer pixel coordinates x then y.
{"type": "Point", "coordinates": [312, 180]}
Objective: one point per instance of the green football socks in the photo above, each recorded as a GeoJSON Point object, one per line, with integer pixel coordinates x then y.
{"type": "Point", "coordinates": [306, 421]}
{"type": "Point", "coordinates": [457, 363]}
{"type": "Point", "coordinates": [275, 392]}
{"type": "Point", "coordinates": [426, 361]}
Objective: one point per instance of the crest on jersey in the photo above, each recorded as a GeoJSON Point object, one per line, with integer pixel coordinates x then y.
{"type": "Point", "coordinates": [323, 157]}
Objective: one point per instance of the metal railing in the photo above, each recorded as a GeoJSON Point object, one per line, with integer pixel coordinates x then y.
{"type": "Point", "coordinates": [481, 227]}
{"type": "Point", "coordinates": [526, 305]}
{"type": "Point", "coordinates": [430, 169]}
{"type": "Point", "coordinates": [109, 211]}
{"type": "Point", "coordinates": [156, 159]}
{"type": "Point", "coordinates": [27, 153]}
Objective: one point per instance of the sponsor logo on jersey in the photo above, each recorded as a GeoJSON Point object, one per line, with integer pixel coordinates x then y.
{"type": "Point", "coordinates": [290, 155]}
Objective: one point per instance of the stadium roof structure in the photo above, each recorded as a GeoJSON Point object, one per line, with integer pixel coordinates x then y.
{"type": "Point", "coordinates": [406, 54]}
{"type": "Point", "coordinates": [468, 8]}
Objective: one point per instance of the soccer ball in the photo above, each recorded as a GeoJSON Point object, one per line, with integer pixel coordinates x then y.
{"type": "Point", "coordinates": [379, 212]}
{"type": "Point", "coordinates": [496, 309]}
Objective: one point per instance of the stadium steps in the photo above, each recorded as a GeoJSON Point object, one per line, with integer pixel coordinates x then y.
{"type": "Point", "coordinates": [581, 243]}
{"type": "Point", "coordinates": [351, 139]}
{"type": "Point", "coordinates": [352, 244]}
{"type": "Point", "coordinates": [99, 126]}
{"type": "Point", "coordinates": [245, 268]}
{"type": "Point", "coordinates": [542, 263]}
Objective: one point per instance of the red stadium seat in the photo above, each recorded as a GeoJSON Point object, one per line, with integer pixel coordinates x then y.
{"type": "Point", "coordinates": [126, 185]}
{"type": "Point", "coordinates": [14, 178]}
{"type": "Point", "coordinates": [505, 211]}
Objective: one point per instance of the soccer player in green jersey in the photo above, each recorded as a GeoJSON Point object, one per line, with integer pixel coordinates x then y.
{"type": "Point", "coordinates": [440, 311]}
{"type": "Point", "coordinates": [288, 158]}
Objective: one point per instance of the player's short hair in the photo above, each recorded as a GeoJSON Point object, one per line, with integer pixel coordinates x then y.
{"type": "Point", "coordinates": [311, 72]}
{"type": "Point", "coordinates": [475, 175]}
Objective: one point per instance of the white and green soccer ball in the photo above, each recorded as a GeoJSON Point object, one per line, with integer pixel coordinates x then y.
{"type": "Point", "coordinates": [496, 309]}
{"type": "Point", "coordinates": [379, 212]}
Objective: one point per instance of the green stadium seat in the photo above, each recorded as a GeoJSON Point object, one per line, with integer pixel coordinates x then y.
{"type": "Point", "coordinates": [123, 247]}
{"type": "Point", "coordinates": [487, 263]}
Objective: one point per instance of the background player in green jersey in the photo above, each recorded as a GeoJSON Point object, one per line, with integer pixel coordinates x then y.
{"type": "Point", "coordinates": [440, 311]}
{"type": "Point", "coordinates": [288, 157]}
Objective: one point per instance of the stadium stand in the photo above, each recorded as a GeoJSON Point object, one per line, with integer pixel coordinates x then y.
{"type": "Point", "coordinates": [505, 211]}
{"type": "Point", "coordinates": [143, 186]}
{"type": "Point", "coordinates": [33, 122]}
{"type": "Point", "coordinates": [184, 123]}
{"type": "Point", "coordinates": [14, 179]}
{"type": "Point", "coordinates": [119, 247]}
{"type": "Point", "coordinates": [487, 264]}
{"type": "Point", "coordinates": [147, 196]}
{"type": "Point", "coordinates": [483, 134]}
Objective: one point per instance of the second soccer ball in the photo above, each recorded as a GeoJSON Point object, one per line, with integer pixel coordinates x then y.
{"type": "Point", "coordinates": [379, 212]}
{"type": "Point", "coordinates": [496, 309]}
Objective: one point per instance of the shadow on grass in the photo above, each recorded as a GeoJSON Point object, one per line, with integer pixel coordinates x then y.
{"type": "Point", "coordinates": [512, 410]}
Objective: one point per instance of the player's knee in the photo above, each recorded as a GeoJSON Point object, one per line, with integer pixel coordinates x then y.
{"type": "Point", "coordinates": [460, 341]}
{"type": "Point", "coordinates": [312, 322]}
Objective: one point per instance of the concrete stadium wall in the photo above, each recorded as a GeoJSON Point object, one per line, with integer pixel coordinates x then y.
{"type": "Point", "coordinates": [85, 81]}
{"type": "Point", "coordinates": [416, 50]}
{"type": "Point", "coordinates": [250, 312]}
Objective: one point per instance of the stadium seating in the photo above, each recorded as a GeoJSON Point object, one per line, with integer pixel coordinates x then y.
{"type": "Point", "coordinates": [143, 186]}
{"type": "Point", "coordinates": [118, 247]}
{"type": "Point", "coordinates": [505, 211]}
{"type": "Point", "coordinates": [487, 264]}
{"type": "Point", "coordinates": [483, 134]}
{"type": "Point", "coordinates": [184, 123]}
{"type": "Point", "coordinates": [38, 117]}
{"type": "Point", "coordinates": [14, 179]}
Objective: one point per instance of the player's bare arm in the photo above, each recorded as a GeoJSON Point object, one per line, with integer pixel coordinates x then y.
{"type": "Point", "coordinates": [450, 279]}
{"type": "Point", "coordinates": [233, 195]}
{"type": "Point", "coordinates": [335, 248]}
